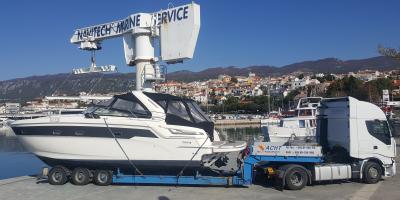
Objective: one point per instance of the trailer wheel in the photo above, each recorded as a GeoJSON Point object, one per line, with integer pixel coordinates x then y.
{"type": "Point", "coordinates": [296, 178]}
{"type": "Point", "coordinates": [102, 177]}
{"type": "Point", "coordinates": [58, 176]}
{"type": "Point", "coordinates": [372, 172]}
{"type": "Point", "coordinates": [80, 176]}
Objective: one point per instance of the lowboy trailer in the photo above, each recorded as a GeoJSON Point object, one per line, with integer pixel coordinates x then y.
{"type": "Point", "coordinates": [243, 177]}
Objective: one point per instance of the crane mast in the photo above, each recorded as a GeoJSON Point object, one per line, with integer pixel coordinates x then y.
{"type": "Point", "coordinates": [176, 29]}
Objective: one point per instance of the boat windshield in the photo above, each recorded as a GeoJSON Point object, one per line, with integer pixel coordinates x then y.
{"type": "Point", "coordinates": [177, 108]}
{"type": "Point", "coordinates": [183, 112]}
{"type": "Point", "coordinates": [191, 113]}
{"type": "Point", "coordinates": [201, 111]}
{"type": "Point", "coordinates": [304, 112]}
{"type": "Point", "coordinates": [119, 107]}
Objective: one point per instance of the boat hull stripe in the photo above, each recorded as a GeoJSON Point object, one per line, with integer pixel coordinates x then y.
{"type": "Point", "coordinates": [83, 131]}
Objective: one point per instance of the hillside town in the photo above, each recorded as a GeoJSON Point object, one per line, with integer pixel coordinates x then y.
{"type": "Point", "coordinates": [251, 94]}
{"type": "Point", "coordinates": [287, 88]}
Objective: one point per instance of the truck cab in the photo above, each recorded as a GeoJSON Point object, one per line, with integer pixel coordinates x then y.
{"type": "Point", "coordinates": [358, 132]}
{"type": "Point", "coordinates": [353, 141]}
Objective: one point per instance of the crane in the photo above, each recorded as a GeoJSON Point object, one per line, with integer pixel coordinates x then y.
{"type": "Point", "coordinates": [175, 30]}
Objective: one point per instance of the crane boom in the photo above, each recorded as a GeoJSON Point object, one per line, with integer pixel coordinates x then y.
{"type": "Point", "coordinates": [106, 30]}
{"type": "Point", "coordinates": [176, 28]}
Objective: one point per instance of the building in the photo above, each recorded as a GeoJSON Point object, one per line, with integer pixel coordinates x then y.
{"type": "Point", "coordinates": [297, 83]}
{"type": "Point", "coordinates": [225, 78]}
{"type": "Point", "coordinates": [2, 109]}
{"type": "Point", "coordinates": [200, 97]}
{"type": "Point", "coordinates": [320, 75]}
{"type": "Point", "coordinates": [12, 108]}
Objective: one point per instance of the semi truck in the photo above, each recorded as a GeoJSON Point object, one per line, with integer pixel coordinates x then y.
{"type": "Point", "coordinates": [354, 141]}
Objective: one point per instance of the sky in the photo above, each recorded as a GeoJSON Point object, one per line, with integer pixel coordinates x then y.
{"type": "Point", "coordinates": [34, 35]}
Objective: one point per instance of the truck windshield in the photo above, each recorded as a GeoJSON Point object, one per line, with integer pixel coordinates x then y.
{"type": "Point", "coordinates": [380, 130]}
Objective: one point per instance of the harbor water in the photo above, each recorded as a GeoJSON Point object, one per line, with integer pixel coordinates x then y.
{"type": "Point", "coordinates": [15, 160]}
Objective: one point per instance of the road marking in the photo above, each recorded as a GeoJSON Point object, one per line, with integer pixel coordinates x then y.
{"type": "Point", "coordinates": [366, 191]}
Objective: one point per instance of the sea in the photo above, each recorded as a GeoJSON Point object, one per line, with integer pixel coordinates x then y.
{"type": "Point", "coordinates": [15, 160]}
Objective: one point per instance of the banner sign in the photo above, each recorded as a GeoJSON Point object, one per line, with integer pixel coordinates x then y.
{"type": "Point", "coordinates": [276, 149]}
{"type": "Point", "coordinates": [123, 26]}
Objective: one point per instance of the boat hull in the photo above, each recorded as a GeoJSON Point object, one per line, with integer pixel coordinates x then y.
{"type": "Point", "coordinates": [76, 141]}
{"type": "Point", "coordinates": [162, 167]}
{"type": "Point", "coordinates": [283, 134]}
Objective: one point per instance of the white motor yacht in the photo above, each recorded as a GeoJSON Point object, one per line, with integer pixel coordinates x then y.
{"type": "Point", "coordinates": [295, 128]}
{"type": "Point", "coordinates": [150, 131]}
{"type": "Point", "coordinates": [272, 119]}
{"type": "Point", "coordinates": [300, 127]}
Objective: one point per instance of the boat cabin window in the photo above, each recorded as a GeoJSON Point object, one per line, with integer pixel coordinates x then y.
{"type": "Point", "coordinates": [105, 103]}
{"type": "Point", "coordinates": [197, 113]}
{"type": "Point", "coordinates": [304, 112]}
{"type": "Point", "coordinates": [178, 108]}
{"type": "Point", "coordinates": [183, 112]}
{"type": "Point", "coordinates": [302, 123]}
{"type": "Point", "coordinates": [162, 103]}
{"type": "Point", "coordinates": [131, 107]}
{"type": "Point", "coordinates": [106, 111]}
{"type": "Point", "coordinates": [313, 123]}
{"type": "Point", "coordinates": [120, 108]}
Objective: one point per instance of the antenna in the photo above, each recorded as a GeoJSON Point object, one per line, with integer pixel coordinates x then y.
{"type": "Point", "coordinates": [90, 44]}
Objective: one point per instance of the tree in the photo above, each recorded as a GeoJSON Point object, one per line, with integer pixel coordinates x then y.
{"type": "Point", "coordinates": [261, 102]}
{"type": "Point", "coordinates": [231, 103]}
{"type": "Point", "coordinates": [351, 86]}
{"type": "Point", "coordinates": [326, 77]}
{"type": "Point", "coordinates": [375, 88]}
{"type": "Point", "coordinates": [389, 52]}
{"type": "Point", "coordinates": [348, 86]}
{"type": "Point", "coordinates": [234, 80]}
{"type": "Point", "coordinates": [290, 96]}
{"type": "Point", "coordinates": [329, 77]}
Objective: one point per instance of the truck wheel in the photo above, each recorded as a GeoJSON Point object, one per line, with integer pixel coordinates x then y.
{"type": "Point", "coordinates": [372, 172]}
{"type": "Point", "coordinates": [296, 179]}
{"type": "Point", "coordinates": [102, 177]}
{"type": "Point", "coordinates": [80, 176]}
{"type": "Point", "coordinates": [57, 176]}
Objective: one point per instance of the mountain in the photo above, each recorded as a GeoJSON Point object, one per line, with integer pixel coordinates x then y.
{"type": "Point", "coordinates": [327, 65]}
{"type": "Point", "coordinates": [23, 89]}
{"type": "Point", "coordinates": [214, 72]}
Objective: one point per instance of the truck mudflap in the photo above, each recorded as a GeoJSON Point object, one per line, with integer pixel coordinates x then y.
{"type": "Point", "coordinates": [390, 170]}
